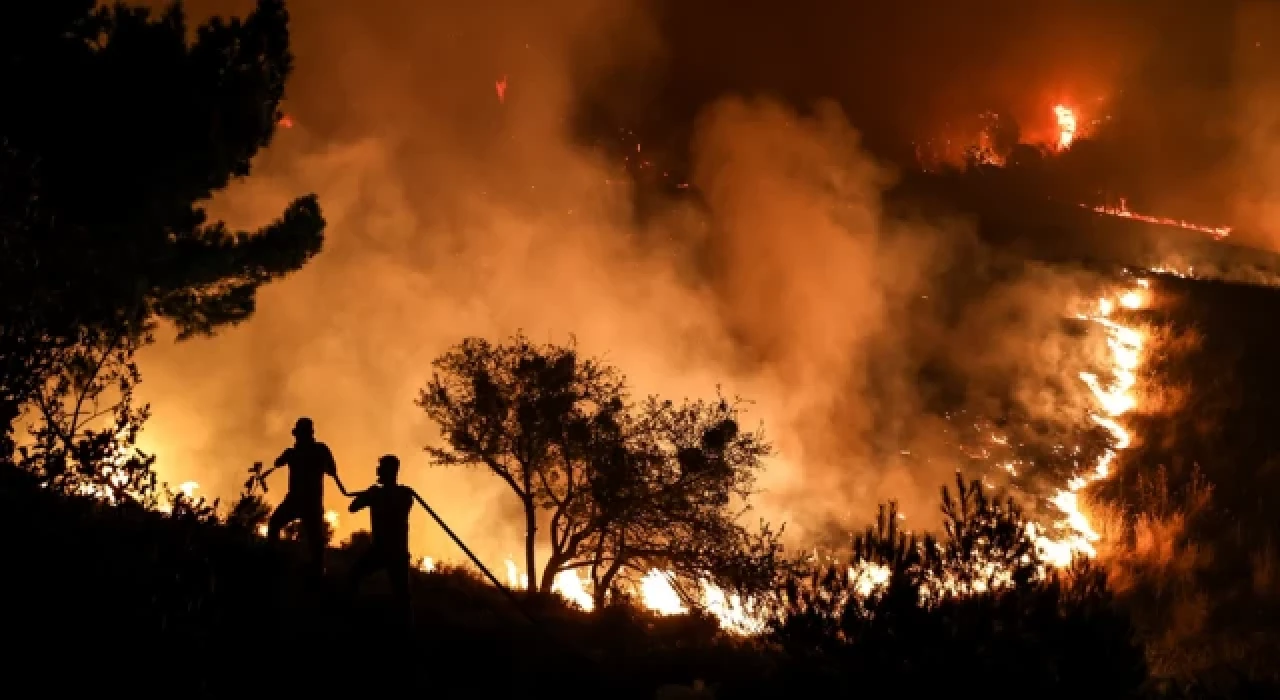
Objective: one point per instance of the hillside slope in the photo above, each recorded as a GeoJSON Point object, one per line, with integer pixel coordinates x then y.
{"type": "Point", "coordinates": [103, 597]}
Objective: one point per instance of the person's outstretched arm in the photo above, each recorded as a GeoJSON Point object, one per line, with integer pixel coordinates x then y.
{"type": "Point", "coordinates": [359, 502]}
{"type": "Point", "coordinates": [331, 468]}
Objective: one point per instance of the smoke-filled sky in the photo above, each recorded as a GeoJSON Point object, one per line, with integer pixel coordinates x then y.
{"type": "Point", "coordinates": [452, 213]}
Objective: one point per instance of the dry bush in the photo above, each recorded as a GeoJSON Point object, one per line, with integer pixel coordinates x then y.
{"type": "Point", "coordinates": [1155, 567]}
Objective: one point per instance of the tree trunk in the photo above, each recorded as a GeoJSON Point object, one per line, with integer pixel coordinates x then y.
{"type": "Point", "coordinates": [598, 591]}
{"type": "Point", "coordinates": [548, 575]}
{"type": "Point", "coordinates": [530, 535]}
{"type": "Point", "coordinates": [606, 582]}
{"type": "Point", "coordinates": [555, 560]}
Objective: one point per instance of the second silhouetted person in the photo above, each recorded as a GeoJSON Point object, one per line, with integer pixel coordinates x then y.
{"type": "Point", "coordinates": [389, 503]}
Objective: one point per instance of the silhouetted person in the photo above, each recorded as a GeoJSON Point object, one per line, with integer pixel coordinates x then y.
{"type": "Point", "coordinates": [389, 504]}
{"type": "Point", "coordinates": [308, 461]}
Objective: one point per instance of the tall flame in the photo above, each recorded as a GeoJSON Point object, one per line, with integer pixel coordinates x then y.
{"type": "Point", "coordinates": [1066, 126]}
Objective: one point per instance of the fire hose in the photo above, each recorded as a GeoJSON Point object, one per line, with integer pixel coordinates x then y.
{"type": "Point", "coordinates": [257, 475]}
{"type": "Point", "coordinates": [474, 559]}
{"type": "Point", "coordinates": [499, 585]}
{"type": "Point", "coordinates": [260, 477]}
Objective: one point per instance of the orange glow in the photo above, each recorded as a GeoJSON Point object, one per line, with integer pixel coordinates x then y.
{"type": "Point", "coordinates": [500, 87]}
{"type": "Point", "coordinates": [1073, 534]}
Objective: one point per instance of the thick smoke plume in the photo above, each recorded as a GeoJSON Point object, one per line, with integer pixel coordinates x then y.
{"type": "Point", "coordinates": [455, 213]}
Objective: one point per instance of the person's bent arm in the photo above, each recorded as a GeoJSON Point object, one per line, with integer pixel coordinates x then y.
{"type": "Point", "coordinates": [284, 457]}
{"type": "Point", "coordinates": [359, 502]}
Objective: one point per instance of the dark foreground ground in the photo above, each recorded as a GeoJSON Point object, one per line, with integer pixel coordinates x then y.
{"type": "Point", "coordinates": [107, 599]}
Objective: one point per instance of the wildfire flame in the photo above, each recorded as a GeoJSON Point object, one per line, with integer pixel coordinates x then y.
{"type": "Point", "coordinates": [186, 488]}
{"type": "Point", "coordinates": [567, 584]}
{"type": "Point", "coordinates": [1075, 534]}
{"type": "Point", "coordinates": [1114, 400]}
{"type": "Point", "coordinates": [659, 595]}
{"type": "Point", "coordinates": [1066, 126]}
{"type": "Point", "coordinates": [1122, 211]}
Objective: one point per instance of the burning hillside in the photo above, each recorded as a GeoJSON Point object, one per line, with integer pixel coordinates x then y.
{"type": "Point", "coordinates": [1051, 472]}
{"type": "Point", "coordinates": [827, 320]}
{"type": "Point", "coordinates": [637, 322]}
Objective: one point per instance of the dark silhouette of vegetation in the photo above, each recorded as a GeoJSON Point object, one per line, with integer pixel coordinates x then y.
{"type": "Point", "coordinates": [511, 408]}
{"type": "Point", "coordinates": [967, 603]}
{"type": "Point", "coordinates": [86, 425]}
{"type": "Point", "coordinates": [622, 489]}
{"type": "Point", "coordinates": [671, 495]}
{"type": "Point", "coordinates": [193, 593]}
{"type": "Point", "coordinates": [103, 226]}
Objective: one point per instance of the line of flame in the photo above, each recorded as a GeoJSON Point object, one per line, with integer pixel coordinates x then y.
{"type": "Point", "coordinates": [1114, 400]}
